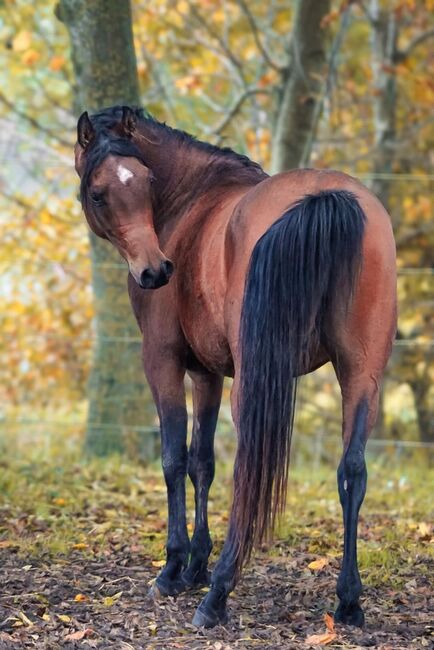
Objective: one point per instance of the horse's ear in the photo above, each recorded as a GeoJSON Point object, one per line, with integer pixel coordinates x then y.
{"type": "Point", "coordinates": [128, 121]}
{"type": "Point", "coordinates": [85, 130]}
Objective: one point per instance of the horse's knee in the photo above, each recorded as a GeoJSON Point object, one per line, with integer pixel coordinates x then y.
{"type": "Point", "coordinates": [174, 469]}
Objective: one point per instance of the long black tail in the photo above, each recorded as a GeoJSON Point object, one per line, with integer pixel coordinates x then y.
{"type": "Point", "coordinates": [301, 267]}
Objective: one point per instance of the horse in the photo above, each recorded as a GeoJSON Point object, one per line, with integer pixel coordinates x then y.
{"type": "Point", "coordinates": [260, 278]}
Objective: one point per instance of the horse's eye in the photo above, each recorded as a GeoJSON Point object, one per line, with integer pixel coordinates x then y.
{"type": "Point", "coordinates": [97, 198]}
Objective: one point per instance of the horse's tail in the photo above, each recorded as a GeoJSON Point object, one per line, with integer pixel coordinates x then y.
{"type": "Point", "coordinates": [305, 264]}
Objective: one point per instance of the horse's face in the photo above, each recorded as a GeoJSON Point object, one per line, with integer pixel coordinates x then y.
{"type": "Point", "coordinates": [116, 194]}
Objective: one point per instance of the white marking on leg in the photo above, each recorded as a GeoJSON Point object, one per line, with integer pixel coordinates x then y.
{"type": "Point", "coordinates": [124, 174]}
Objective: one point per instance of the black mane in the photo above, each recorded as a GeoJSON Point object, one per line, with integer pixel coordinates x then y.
{"type": "Point", "coordinates": [108, 118]}
{"type": "Point", "coordinates": [183, 166]}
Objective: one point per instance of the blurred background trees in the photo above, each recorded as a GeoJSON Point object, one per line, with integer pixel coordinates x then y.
{"type": "Point", "coordinates": [347, 85]}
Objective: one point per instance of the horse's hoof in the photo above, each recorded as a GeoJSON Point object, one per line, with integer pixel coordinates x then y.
{"type": "Point", "coordinates": [194, 580]}
{"type": "Point", "coordinates": [350, 615]}
{"type": "Point", "coordinates": [163, 588]}
{"type": "Point", "coordinates": [209, 618]}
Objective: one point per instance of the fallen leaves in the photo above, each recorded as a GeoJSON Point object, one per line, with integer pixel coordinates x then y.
{"type": "Point", "coordinates": [81, 634]}
{"type": "Point", "coordinates": [326, 637]}
{"type": "Point", "coordinates": [80, 598]}
{"type": "Point", "coordinates": [110, 600]}
{"type": "Point", "coordinates": [317, 565]}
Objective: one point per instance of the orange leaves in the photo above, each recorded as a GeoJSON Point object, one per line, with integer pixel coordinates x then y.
{"type": "Point", "coordinates": [80, 598]}
{"type": "Point", "coordinates": [57, 63]}
{"type": "Point", "coordinates": [326, 637]}
{"type": "Point", "coordinates": [30, 57]}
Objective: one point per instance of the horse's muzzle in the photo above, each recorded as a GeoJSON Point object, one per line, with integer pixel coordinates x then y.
{"type": "Point", "coordinates": [155, 278]}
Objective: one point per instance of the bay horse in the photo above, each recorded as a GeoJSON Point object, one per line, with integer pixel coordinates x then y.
{"type": "Point", "coordinates": [270, 278]}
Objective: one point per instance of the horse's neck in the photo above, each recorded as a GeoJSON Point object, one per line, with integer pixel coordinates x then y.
{"type": "Point", "coordinates": [186, 175]}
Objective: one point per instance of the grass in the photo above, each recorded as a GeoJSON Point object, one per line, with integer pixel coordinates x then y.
{"type": "Point", "coordinates": [54, 505]}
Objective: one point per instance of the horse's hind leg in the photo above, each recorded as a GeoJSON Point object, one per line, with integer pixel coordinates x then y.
{"type": "Point", "coordinates": [360, 405]}
{"type": "Point", "coordinates": [207, 392]}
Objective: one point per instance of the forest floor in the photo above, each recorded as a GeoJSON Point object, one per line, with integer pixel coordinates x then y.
{"type": "Point", "coordinates": [81, 542]}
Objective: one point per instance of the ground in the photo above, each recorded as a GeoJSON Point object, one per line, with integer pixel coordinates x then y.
{"type": "Point", "coordinates": [80, 543]}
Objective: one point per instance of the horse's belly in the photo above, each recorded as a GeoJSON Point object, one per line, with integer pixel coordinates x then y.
{"type": "Point", "coordinates": [201, 296]}
{"type": "Point", "coordinates": [209, 345]}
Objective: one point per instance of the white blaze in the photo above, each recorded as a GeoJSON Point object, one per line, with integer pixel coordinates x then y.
{"type": "Point", "coordinates": [124, 174]}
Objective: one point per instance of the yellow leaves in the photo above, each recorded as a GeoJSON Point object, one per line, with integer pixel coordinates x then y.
{"type": "Point", "coordinates": [110, 600]}
{"type": "Point", "coordinates": [152, 629]}
{"type": "Point", "coordinates": [59, 501]}
{"type": "Point", "coordinates": [182, 7]}
{"type": "Point", "coordinates": [81, 546]}
{"type": "Point", "coordinates": [25, 619]}
{"type": "Point", "coordinates": [64, 618]}
{"type": "Point", "coordinates": [423, 530]}
{"type": "Point", "coordinates": [158, 563]}
{"type": "Point", "coordinates": [22, 41]}
{"type": "Point", "coordinates": [317, 565]}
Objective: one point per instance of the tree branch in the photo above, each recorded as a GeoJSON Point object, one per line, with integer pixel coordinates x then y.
{"type": "Point", "coordinates": [231, 56]}
{"type": "Point", "coordinates": [255, 33]}
{"type": "Point", "coordinates": [236, 107]}
{"type": "Point", "coordinates": [401, 55]}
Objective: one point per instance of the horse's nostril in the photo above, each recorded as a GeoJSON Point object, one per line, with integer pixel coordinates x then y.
{"type": "Point", "coordinates": [147, 279]}
{"type": "Point", "coordinates": [167, 268]}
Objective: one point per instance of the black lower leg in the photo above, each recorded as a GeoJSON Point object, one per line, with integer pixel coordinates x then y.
{"type": "Point", "coordinates": [352, 478]}
{"type": "Point", "coordinates": [201, 471]}
{"type": "Point", "coordinates": [212, 610]}
{"type": "Point", "coordinates": [206, 400]}
{"type": "Point", "coordinates": [174, 460]}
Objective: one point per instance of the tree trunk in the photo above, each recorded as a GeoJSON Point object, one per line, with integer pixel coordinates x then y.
{"type": "Point", "coordinates": [385, 55]}
{"type": "Point", "coordinates": [301, 87]}
{"type": "Point", "coordinates": [104, 62]}
{"type": "Point", "coordinates": [384, 37]}
{"type": "Point", "coordinates": [424, 408]}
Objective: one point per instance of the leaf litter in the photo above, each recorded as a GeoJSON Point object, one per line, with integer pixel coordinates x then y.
{"type": "Point", "coordinates": [91, 591]}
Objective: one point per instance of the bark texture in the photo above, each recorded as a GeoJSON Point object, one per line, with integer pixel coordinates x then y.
{"type": "Point", "coordinates": [104, 63]}
{"type": "Point", "coordinates": [302, 82]}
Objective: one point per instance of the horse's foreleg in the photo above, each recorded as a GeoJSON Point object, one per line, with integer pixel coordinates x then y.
{"type": "Point", "coordinates": [167, 383]}
{"type": "Point", "coordinates": [360, 409]}
{"type": "Point", "coordinates": [212, 609]}
{"type": "Point", "coordinates": [207, 391]}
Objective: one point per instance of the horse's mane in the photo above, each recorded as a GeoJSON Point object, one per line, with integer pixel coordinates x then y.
{"type": "Point", "coordinates": [184, 167]}
{"type": "Point", "coordinates": [108, 118]}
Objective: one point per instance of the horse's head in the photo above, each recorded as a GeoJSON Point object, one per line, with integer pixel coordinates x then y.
{"type": "Point", "coordinates": [116, 194]}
